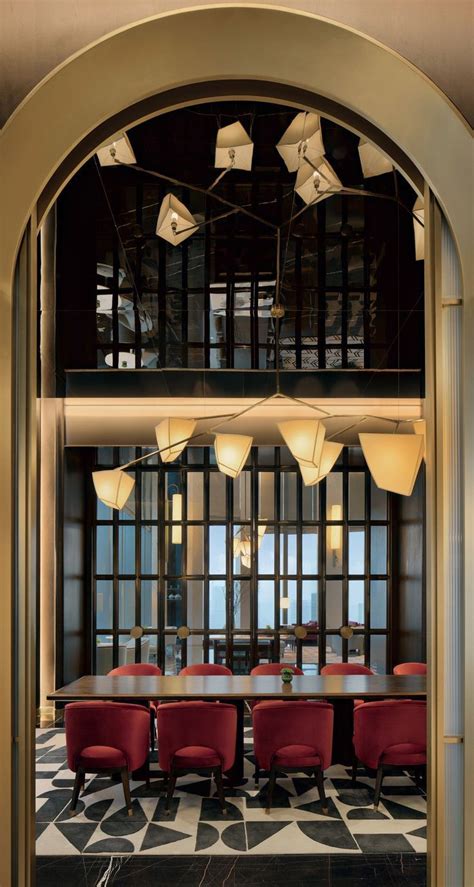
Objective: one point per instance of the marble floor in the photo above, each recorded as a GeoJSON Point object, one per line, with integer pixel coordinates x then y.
{"type": "Point", "coordinates": [196, 826]}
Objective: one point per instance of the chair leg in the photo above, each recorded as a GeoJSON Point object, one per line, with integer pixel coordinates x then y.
{"type": "Point", "coordinates": [152, 730]}
{"type": "Point", "coordinates": [378, 787]}
{"type": "Point", "coordinates": [220, 788]}
{"type": "Point", "coordinates": [318, 775]}
{"type": "Point", "coordinates": [169, 794]}
{"type": "Point", "coordinates": [126, 789]}
{"type": "Point", "coordinates": [354, 769]}
{"type": "Point", "coordinates": [270, 787]}
{"type": "Point", "coordinates": [77, 787]}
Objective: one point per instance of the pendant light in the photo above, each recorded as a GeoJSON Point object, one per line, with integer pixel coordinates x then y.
{"type": "Point", "coordinates": [117, 152]}
{"type": "Point", "coordinates": [329, 455]}
{"type": "Point", "coordinates": [304, 438]}
{"type": "Point", "coordinates": [231, 452]}
{"type": "Point", "coordinates": [234, 148]}
{"type": "Point", "coordinates": [393, 459]}
{"type": "Point", "coordinates": [316, 181]}
{"type": "Point", "coordinates": [172, 436]}
{"type": "Point", "coordinates": [175, 222]}
{"type": "Point", "coordinates": [372, 161]}
{"type": "Point", "coordinates": [113, 487]}
{"type": "Point", "coordinates": [303, 138]}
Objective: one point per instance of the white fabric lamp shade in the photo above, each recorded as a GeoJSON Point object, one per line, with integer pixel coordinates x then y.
{"type": "Point", "coordinates": [329, 455]}
{"type": "Point", "coordinates": [175, 222]}
{"type": "Point", "coordinates": [231, 452]}
{"type": "Point", "coordinates": [313, 185]}
{"type": "Point", "coordinates": [304, 438]}
{"type": "Point", "coordinates": [172, 435]}
{"type": "Point", "coordinates": [303, 138]}
{"type": "Point", "coordinates": [393, 459]}
{"type": "Point", "coordinates": [372, 161]}
{"type": "Point", "coordinates": [419, 230]}
{"type": "Point", "coordinates": [113, 487]}
{"type": "Point", "coordinates": [234, 147]}
{"type": "Point", "coordinates": [126, 360]}
{"type": "Point", "coordinates": [116, 152]}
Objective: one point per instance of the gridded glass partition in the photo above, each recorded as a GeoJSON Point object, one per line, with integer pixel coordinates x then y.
{"type": "Point", "coordinates": [249, 560]}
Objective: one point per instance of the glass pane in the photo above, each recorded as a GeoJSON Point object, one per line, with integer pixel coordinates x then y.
{"type": "Point", "coordinates": [356, 549]}
{"type": "Point", "coordinates": [126, 650]}
{"type": "Point", "coordinates": [266, 603]}
{"type": "Point", "coordinates": [357, 495]}
{"type": "Point", "coordinates": [149, 648]}
{"type": "Point", "coordinates": [218, 649]}
{"type": "Point", "coordinates": [311, 503]}
{"type": "Point", "coordinates": [378, 503]}
{"type": "Point", "coordinates": [378, 653]}
{"type": "Point", "coordinates": [266, 552]}
{"type": "Point", "coordinates": [241, 649]}
{"type": "Point", "coordinates": [334, 537]}
{"type": "Point", "coordinates": [104, 603]}
{"type": "Point", "coordinates": [217, 604]}
{"type": "Point", "coordinates": [378, 604]}
{"type": "Point", "coordinates": [356, 603]}
{"type": "Point", "coordinates": [194, 648]}
{"type": "Point", "coordinates": [288, 560]}
{"type": "Point", "coordinates": [174, 603]}
{"type": "Point", "coordinates": [174, 552]}
{"type": "Point", "coordinates": [333, 648]}
{"type": "Point", "coordinates": [309, 599]}
{"type": "Point", "coordinates": [241, 603]}
{"type": "Point", "coordinates": [310, 656]}
{"type": "Point", "coordinates": [242, 487]}
{"type": "Point", "coordinates": [378, 550]}
{"type": "Point", "coordinates": [287, 649]}
{"type": "Point", "coordinates": [149, 493]}
{"type": "Point", "coordinates": [195, 550]}
{"type": "Point", "coordinates": [104, 560]}
{"type": "Point", "coordinates": [217, 550]}
{"type": "Point", "coordinates": [129, 510]}
{"type": "Point", "coordinates": [105, 456]}
{"type": "Point", "coordinates": [266, 495]}
{"type": "Point", "coordinates": [334, 603]}
{"type": "Point", "coordinates": [149, 553]}
{"type": "Point", "coordinates": [356, 649]}
{"type": "Point", "coordinates": [127, 603]}
{"type": "Point", "coordinates": [310, 550]}
{"type": "Point", "coordinates": [265, 648]}
{"type": "Point", "coordinates": [287, 602]}
{"type": "Point", "coordinates": [217, 497]}
{"type": "Point", "coordinates": [104, 661]}
{"type": "Point", "coordinates": [195, 501]}
{"type": "Point", "coordinates": [149, 603]}
{"type": "Point", "coordinates": [334, 496]}
{"type": "Point", "coordinates": [288, 496]}
{"type": "Point", "coordinates": [172, 655]}
{"type": "Point", "coordinates": [126, 549]}
{"type": "Point", "coordinates": [103, 511]}
{"type": "Point", "coordinates": [242, 549]}
{"type": "Point", "coordinates": [195, 601]}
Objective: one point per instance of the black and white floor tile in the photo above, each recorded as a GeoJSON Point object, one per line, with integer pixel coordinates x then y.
{"type": "Point", "coordinates": [296, 824]}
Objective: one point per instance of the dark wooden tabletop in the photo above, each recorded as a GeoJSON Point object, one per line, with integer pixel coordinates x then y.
{"type": "Point", "coordinates": [240, 687]}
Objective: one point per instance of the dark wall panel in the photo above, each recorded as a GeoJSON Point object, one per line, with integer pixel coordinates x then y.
{"type": "Point", "coordinates": [409, 592]}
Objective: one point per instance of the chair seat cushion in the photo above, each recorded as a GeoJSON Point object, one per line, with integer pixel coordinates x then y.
{"type": "Point", "coordinates": [101, 756]}
{"type": "Point", "coordinates": [193, 757]}
{"type": "Point", "coordinates": [408, 754]}
{"type": "Point", "coordinates": [296, 756]}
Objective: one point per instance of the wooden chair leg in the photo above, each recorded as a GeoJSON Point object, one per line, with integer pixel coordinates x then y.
{"type": "Point", "coordinates": [126, 790]}
{"type": "Point", "coordinates": [318, 775]}
{"type": "Point", "coordinates": [220, 788]}
{"type": "Point", "coordinates": [77, 787]}
{"type": "Point", "coordinates": [270, 787]}
{"type": "Point", "coordinates": [169, 794]}
{"type": "Point", "coordinates": [354, 769]}
{"type": "Point", "coordinates": [378, 787]}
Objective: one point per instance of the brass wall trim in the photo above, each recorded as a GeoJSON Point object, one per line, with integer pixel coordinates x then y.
{"type": "Point", "coordinates": [450, 303]}
{"type": "Point", "coordinates": [453, 740]}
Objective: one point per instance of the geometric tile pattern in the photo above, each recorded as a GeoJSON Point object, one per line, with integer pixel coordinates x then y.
{"type": "Point", "coordinates": [195, 825]}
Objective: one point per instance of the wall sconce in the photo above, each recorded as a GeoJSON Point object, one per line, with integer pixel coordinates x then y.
{"type": "Point", "coordinates": [335, 533]}
{"type": "Point", "coordinates": [284, 607]}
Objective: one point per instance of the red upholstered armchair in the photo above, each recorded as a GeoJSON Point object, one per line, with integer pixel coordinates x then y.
{"type": "Point", "coordinates": [142, 668]}
{"type": "Point", "coordinates": [411, 668]}
{"type": "Point", "coordinates": [293, 737]}
{"type": "Point", "coordinates": [275, 668]}
{"type": "Point", "coordinates": [196, 736]}
{"type": "Point", "coordinates": [205, 668]}
{"type": "Point", "coordinates": [388, 734]}
{"type": "Point", "coordinates": [103, 737]}
{"type": "Point", "coordinates": [343, 668]}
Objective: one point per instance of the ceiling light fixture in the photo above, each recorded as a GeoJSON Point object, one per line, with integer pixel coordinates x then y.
{"type": "Point", "coordinates": [329, 455]}
{"type": "Point", "coordinates": [113, 487]}
{"type": "Point", "coordinates": [304, 438]}
{"type": "Point", "coordinates": [175, 222]}
{"type": "Point", "coordinates": [316, 181]}
{"type": "Point", "coordinates": [172, 436]}
{"type": "Point", "coordinates": [394, 460]}
{"type": "Point", "coordinates": [372, 161]}
{"type": "Point", "coordinates": [234, 150]}
{"type": "Point", "coordinates": [232, 452]}
{"type": "Point", "coordinates": [116, 152]}
{"type": "Point", "coordinates": [302, 139]}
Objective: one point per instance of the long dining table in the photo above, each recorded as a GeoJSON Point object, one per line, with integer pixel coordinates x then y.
{"type": "Point", "coordinates": [340, 690]}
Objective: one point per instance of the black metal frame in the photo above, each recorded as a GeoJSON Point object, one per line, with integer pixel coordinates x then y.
{"type": "Point", "coordinates": [255, 637]}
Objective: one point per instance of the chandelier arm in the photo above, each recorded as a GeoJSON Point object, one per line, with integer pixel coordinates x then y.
{"type": "Point", "coordinates": [231, 212]}
{"type": "Point", "coordinates": [354, 192]}
{"type": "Point", "coordinates": [176, 443]}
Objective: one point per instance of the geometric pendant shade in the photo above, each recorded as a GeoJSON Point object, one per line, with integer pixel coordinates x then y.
{"type": "Point", "coordinates": [329, 456]}
{"type": "Point", "coordinates": [372, 161]}
{"type": "Point", "coordinates": [232, 452]}
{"type": "Point", "coordinates": [175, 222]}
{"type": "Point", "coordinates": [113, 487]}
{"type": "Point", "coordinates": [304, 438]}
{"type": "Point", "coordinates": [315, 182]}
{"type": "Point", "coordinates": [393, 460]}
{"type": "Point", "coordinates": [172, 435]}
{"type": "Point", "coordinates": [234, 147]}
{"type": "Point", "coordinates": [117, 152]}
{"type": "Point", "coordinates": [303, 138]}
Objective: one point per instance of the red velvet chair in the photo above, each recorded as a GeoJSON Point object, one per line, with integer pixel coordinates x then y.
{"type": "Point", "coordinates": [103, 737]}
{"type": "Point", "coordinates": [389, 734]}
{"type": "Point", "coordinates": [293, 737]}
{"type": "Point", "coordinates": [343, 668]}
{"type": "Point", "coordinates": [275, 668]}
{"type": "Point", "coordinates": [142, 668]}
{"type": "Point", "coordinates": [411, 668]}
{"type": "Point", "coordinates": [205, 668]}
{"type": "Point", "coordinates": [196, 736]}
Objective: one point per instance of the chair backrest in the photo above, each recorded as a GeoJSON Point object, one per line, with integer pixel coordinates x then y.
{"type": "Point", "coordinates": [184, 724]}
{"type": "Point", "coordinates": [114, 724]}
{"type": "Point", "coordinates": [279, 723]}
{"type": "Point", "coordinates": [411, 668]}
{"type": "Point", "coordinates": [144, 668]}
{"type": "Point", "coordinates": [346, 668]}
{"type": "Point", "coordinates": [380, 725]}
{"type": "Point", "coordinates": [205, 668]}
{"type": "Point", "coordinates": [275, 668]}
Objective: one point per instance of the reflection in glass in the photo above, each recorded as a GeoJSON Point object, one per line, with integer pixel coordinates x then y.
{"type": "Point", "coordinates": [104, 661]}
{"type": "Point", "coordinates": [149, 550]}
{"type": "Point", "coordinates": [310, 655]}
{"type": "Point", "coordinates": [378, 603]}
{"type": "Point", "coordinates": [334, 496]}
{"type": "Point", "coordinates": [217, 495]}
{"type": "Point", "coordinates": [194, 648]}
{"type": "Point", "coordinates": [174, 609]}
{"type": "Point", "coordinates": [149, 495]}
{"type": "Point", "coordinates": [149, 603]}
{"type": "Point", "coordinates": [310, 502]}
{"type": "Point", "coordinates": [217, 549]}
{"type": "Point", "coordinates": [378, 654]}
{"type": "Point", "coordinates": [334, 537]}
{"type": "Point", "coordinates": [195, 496]}
{"type": "Point", "coordinates": [356, 495]}
{"type": "Point", "coordinates": [287, 601]}
{"type": "Point", "coordinates": [126, 549]}
{"type": "Point", "coordinates": [378, 550]}
{"type": "Point", "coordinates": [104, 558]}
{"type": "Point", "coordinates": [288, 496]}
{"type": "Point", "coordinates": [241, 603]}
{"type": "Point", "coordinates": [266, 552]}
{"type": "Point", "coordinates": [310, 549]}
{"type": "Point", "coordinates": [195, 550]}
{"type": "Point", "coordinates": [266, 495]}
{"type": "Point", "coordinates": [266, 603]}
{"type": "Point", "coordinates": [309, 600]}
{"type": "Point", "coordinates": [378, 502]}
{"type": "Point", "coordinates": [104, 603]}
{"type": "Point", "coordinates": [217, 604]}
{"type": "Point", "coordinates": [333, 648]}
{"type": "Point", "coordinates": [288, 560]}
{"type": "Point", "coordinates": [242, 489]}
{"type": "Point", "coordinates": [195, 600]}
{"type": "Point", "coordinates": [356, 602]}
{"type": "Point", "coordinates": [356, 549]}
{"type": "Point", "coordinates": [127, 603]}
{"type": "Point", "coordinates": [334, 603]}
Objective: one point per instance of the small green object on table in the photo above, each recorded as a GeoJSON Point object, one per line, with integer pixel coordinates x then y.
{"type": "Point", "coordinates": [286, 675]}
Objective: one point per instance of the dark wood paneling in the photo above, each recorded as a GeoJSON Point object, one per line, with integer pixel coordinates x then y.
{"type": "Point", "coordinates": [409, 591]}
